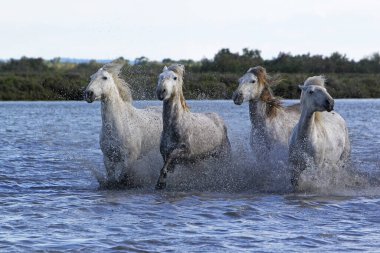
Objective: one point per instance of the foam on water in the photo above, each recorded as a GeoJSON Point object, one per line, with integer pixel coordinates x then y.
{"type": "Point", "coordinates": [244, 173]}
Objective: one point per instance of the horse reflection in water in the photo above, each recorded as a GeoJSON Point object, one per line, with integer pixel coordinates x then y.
{"type": "Point", "coordinates": [320, 139]}
{"type": "Point", "coordinates": [127, 132]}
{"type": "Point", "coordinates": [186, 136]}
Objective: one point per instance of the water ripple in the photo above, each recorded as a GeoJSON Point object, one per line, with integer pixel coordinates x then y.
{"type": "Point", "coordinates": [51, 202]}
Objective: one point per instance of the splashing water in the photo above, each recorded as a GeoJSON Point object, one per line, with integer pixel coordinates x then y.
{"type": "Point", "coordinates": [243, 172]}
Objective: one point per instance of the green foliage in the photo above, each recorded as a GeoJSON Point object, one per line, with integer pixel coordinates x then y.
{"type": "Point", "coordinates": [217, 78]}
{"type": "Point", "coordinates": [36, 79]}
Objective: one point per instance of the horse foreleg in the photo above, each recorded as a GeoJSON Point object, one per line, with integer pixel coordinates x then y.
{"type": "Point", "coordinates": [161, 183]}
{"type": "Point", "coordinates": [126, 179]}
{"type": "Point", "coordinates": [168, 166]}
{"type": "Point", "coordinates": [297, 169]}
{"type": "Point", "coordinates": [110, 170]}
{"type": "Point", "coordinates": [295, 177]}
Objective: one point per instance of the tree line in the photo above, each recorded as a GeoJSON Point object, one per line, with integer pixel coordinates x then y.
{"type": "Point", "coordinates": [216, 78]}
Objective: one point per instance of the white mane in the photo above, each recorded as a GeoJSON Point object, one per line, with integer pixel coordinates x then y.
{"type": "Point", "coordinates": [315, 80]}
{"type": "Point", "coordinates": [115, 69]}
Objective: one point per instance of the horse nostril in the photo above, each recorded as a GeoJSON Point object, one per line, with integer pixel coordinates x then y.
{"type": "Point", "coordinates": [329, 105]}
{"type": "Point", "coordinates": [88, 95]}
{"type": "Point", "coordinates": [164, 90]}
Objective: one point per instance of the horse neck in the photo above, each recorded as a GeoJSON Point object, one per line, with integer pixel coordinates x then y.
{"type": "Point", "coordinates": [260, 109]}
{"type": "Point", "coordinates": [113, 107]}
{"type": "Point", "coordinates": [172, 111]}
{"type": "Point", "coordinates": [306, 122]}
{"type": "Point", "coordinates": [255, 113]}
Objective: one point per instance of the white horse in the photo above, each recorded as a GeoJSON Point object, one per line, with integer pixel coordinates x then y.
{"type": "Point", "coordinates": [186, 136]}
{"type": "Point", "coordinates": [321, 137]}
{"type": "Point", "coordinates": [272, 123]}
{"type": "Point", "coordinates": [127, 133]}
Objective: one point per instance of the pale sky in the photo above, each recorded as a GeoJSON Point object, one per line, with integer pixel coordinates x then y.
{"type": "Point", "coordinates": [183, 29]}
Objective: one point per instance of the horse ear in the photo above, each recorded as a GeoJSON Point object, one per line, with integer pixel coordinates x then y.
{"type": "Point", "coordinates": [182, 67]}
{"type": "Point", "coordinates": [165, 68]}
{"type": "Point", "coordinates": [302, 87]}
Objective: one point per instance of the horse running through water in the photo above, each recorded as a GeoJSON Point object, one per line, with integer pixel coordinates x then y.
{"type": "Point", "coordinates": [186, 136]}
{"type": "Point", "coordinates": [127, 132]}
{"type": "Point", "coordinates": [320, 138]}
{"type": "Point", "coordinates": [271, 122]}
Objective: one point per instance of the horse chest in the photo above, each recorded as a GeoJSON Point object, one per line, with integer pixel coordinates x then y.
{"type": "Point", "coordinates": [173, 136]}
{"type": "Point", "coordinates": [112, 146]}
{"type": "Point", "coordinates": [112, 151]}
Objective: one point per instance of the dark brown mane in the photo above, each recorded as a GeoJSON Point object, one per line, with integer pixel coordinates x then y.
{"type": "Point", "coordinates": [273, 103]}
{"type": "Point", "coordinates": [260, 73]}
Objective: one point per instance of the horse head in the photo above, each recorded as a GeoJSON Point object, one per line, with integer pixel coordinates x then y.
{"type": "Point", "coordinates": [170, 82]}
{"type": "Point", "coordinates": [314, 95]}
{"type": "Point", "coordinates": [106, 82]}
{"type": "Point", "coordinates": [251, 84]}
{"type": "Point", "coordinates": [100, 86]}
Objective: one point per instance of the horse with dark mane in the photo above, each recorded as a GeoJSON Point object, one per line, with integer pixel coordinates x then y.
{"type": "Point", "coordinates": [271, 121]}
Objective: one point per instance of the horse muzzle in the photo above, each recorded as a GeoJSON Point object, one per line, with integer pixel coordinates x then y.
{"type": "Point", "coordinates": [161, 94]}
{"type": "Point", "coordinates": [237, 98]}
{"type": "Point", "coordinates": [89, 96]}
{"type": "Point", "coordinates": [329, 105]}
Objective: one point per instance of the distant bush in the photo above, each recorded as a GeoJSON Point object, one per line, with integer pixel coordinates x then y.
{"type": "Point", "coordinates": [217, 78]}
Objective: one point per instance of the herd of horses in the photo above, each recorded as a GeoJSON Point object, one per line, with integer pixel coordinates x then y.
{"type": "Point", "coordinates": [308, 134]}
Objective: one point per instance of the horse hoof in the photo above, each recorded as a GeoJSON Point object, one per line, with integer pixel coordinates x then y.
{"type": "Point", "coordinates": [160, 185]}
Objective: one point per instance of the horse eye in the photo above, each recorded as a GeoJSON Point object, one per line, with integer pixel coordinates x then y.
{"type": "Point", "coordinates": [175, 78]}
{"type": "Point", "coordinates": [311, 91]}
{"type": "Point", "coordinates": [104, 78]}
{"type": "Point", "coordinates": [253, 81]}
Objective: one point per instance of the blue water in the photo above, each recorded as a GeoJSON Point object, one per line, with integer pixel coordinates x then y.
{"type": "Point", "coordinates": [50, 199]}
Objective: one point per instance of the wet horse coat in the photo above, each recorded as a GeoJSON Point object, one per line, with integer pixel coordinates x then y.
{"type": "Point", "coordinates": [127, 132]}
{"type": "Point", "coordinates": [320, 138]}
{"type": "Point", "coordinates": [271, 122]}
{"type": "Point", "coordinates": [186, 136]}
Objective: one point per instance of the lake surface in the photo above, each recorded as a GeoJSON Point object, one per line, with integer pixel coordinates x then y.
{"type": "Point", "coordinates": [50, 198]}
